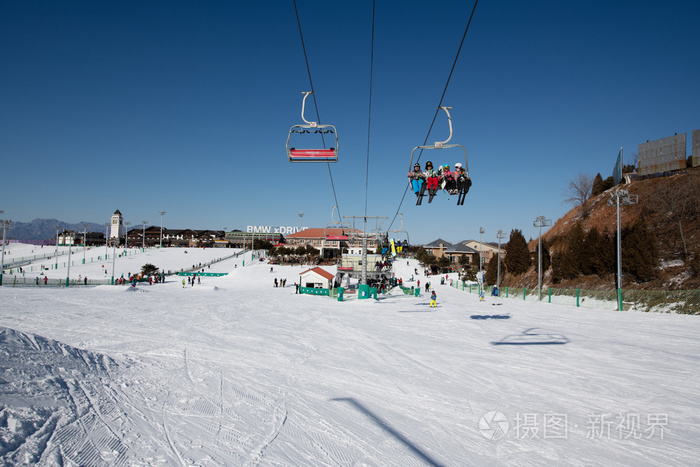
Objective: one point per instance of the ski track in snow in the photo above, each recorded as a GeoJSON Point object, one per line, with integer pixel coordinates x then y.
{"type": "Point", "coordinates": [237, 372]}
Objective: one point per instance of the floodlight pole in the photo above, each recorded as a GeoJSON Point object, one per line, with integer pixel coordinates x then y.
{"type": "Point", "coordinates": [107, 224]}
{"type": "Point", "coordinates": [481, 232]}
{"type": "Point", "coordinates": [621, 198]}
{"type": "Point", "coordinates": [144, 234]}
{"type": "Point", "coordinates": [161, 228]}
{"type": "Point", "coordinates": [70, 245]}
{"type": "Point", "coordinates": [85, 226]}
{"type": "Point", "coordinates": [301, 219]}
{"type": "Point", "coordinates": [500, 236]}
{"type": "Point", "coordinates": [126, 234]}
{"type": "Point", "coordinates": [540, 222]}
{"type": "Point", "coordinates": [56, 251]}
{"type": "Point", "coordinates": [5, 225]}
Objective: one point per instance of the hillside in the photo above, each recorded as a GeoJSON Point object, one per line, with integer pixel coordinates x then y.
{"type": "Point", "coordinates": [670, 207]}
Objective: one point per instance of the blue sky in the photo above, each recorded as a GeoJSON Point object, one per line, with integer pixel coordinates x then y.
{"type": "Point", "coordinates": [185, 107]}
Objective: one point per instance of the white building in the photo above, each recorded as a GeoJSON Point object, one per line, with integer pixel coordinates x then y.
{"type": "Point", "coordinates": [116, 227]}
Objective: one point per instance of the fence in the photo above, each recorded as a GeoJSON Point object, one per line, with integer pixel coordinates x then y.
{"type": "Point", "coordinates": [18, 281]}
{"type": "Point", "coordinates": [663, 301]}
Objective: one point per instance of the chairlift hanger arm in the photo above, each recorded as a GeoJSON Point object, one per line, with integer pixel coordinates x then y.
{"type": "Point", "coordinates": [303, 105]}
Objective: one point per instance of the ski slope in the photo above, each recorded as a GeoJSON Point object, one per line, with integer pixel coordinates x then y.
{"type": "Point", "coordinates": [237, 372]}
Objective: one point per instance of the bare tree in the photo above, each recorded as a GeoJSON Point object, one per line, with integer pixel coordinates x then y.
{"type": "Point", "coordinates": [579, 192]}
{"type": "Point", "coordinates": [678, 199]}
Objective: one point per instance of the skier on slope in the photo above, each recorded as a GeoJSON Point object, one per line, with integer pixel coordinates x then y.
{"type": "Point", "coordinates": [433, 299]}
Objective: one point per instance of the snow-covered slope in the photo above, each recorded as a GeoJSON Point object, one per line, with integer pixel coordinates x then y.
{"type": "Point", "coordinates": [237, 372]}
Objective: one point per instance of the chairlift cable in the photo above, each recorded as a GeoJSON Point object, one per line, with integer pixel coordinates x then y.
{"type": "Point", "coordinates": [318, 116]}
{"type": "Point", "coordinates": [369, 111]}
{"type": "Point", "coordinates": [437, 110]}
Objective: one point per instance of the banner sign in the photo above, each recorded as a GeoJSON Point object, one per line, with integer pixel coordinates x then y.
{"type": "Point", "coordinates": [271, 229]}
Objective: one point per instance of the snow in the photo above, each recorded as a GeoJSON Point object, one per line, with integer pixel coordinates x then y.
{"type": "Point", "coordinates": [237, 372]}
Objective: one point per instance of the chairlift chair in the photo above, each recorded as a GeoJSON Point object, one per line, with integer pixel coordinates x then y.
{"type": "Point", "coordinates": [336, 225]}
{"type": "Point", "coordinates": [312, 155]}
{"type": "Point", "coordinates": [443, 145]}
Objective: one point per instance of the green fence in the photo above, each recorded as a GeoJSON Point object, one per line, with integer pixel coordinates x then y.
{"type": "Point", "coordinates": [662, 301]}
{"type": "Point", "coordinates": [314, 291]}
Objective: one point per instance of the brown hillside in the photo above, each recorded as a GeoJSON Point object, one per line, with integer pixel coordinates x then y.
{"type": "Point", "coordinates": [670, 207]}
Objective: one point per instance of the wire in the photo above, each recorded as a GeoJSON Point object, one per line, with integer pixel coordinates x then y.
{"type": "Point", "coordinates": [318, 116]}
{"type": "Point", "coordinates": [369, 116]}
{"type": "Point", "coordinates": [437, 110]}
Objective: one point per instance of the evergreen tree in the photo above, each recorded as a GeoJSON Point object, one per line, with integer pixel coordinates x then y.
{"type": "Point", "coordinates": [597, 185]}
{"type": "Point", "coordinates": [590, 259]}
{"type": "Point", "coordinates": [607, 254]}
{"type": "Point", "coordinates": [568, 263]}
{"type": "Point", "coordinates": [491, 275]}
{"type": "Point", "coordinates": [517, 258]}
{"type": "Point", "coordinates": [640, 252]}
{"type": "Point", "coordinates": [546, 257]}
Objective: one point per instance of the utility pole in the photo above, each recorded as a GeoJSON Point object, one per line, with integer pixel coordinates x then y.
{"type": "Point", "coordinates": [5, 226]}
{"type": "Point", "coordinates": [540, 222]}
{"type": "Point", "coordinates": [126, 234]}
{"type": "Point", "coordinates": [144, 234]}
{"type": "Point", "coordinates": [56, 251]}
{"type": "Point", "coordinates": [481, 232]}
{"type": "Point", "coordinates": [500, 236]}
{"type": "Point", "coordinates": [107, 224]}
{"type": "Point", "coordinates": [620, 198]}
{"type": "Point", "coordinates": [161, 228]}
{"type": "Point", "coordinates": [85, 226]}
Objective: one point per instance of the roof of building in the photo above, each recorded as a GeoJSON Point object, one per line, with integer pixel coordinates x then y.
{"type": "Point", "coordinates": [117, 212]}
{"type": "Point", "coordinates": [321, 272]}
{"type": "Point", "coordinates": [461, 248]}
{"type": "Point", "coordinates": [436, 244]}
{"type": "Point", "coordinates": [320, 233]}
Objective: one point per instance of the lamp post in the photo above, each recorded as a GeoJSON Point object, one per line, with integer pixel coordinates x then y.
{"type": "Point", "coordinates": [85, 226]}
{"type": "Point", "coordinates": [70, 245]}
{"type": "Point", "coordinates": [500, 236]}
{"type": "Point", "coordinates": [540, 222]}
{"type": "Point", "coordinates": [107, 224]}
{"type": "Point", "coordinates": [126, 233]}
{"type": "Point", "coordinates": [144, 234]}
{"type": "Point", "coordinates": [56, 251]}
{"type": "Point", "coordinates": [5, 225]}
{"type": "Point", "coordinates": [161, 228]}
{"type": "Point", "coordinates": [620, 198]}
{"type": "Point", "coordinates": [481, 232]}
{"type": "Point", "coordinates": [301, 218]}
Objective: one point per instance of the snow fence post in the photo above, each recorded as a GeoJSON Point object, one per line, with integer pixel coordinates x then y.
{"type": "Point", "coordinates": [619, 299]}
{"type": "Point", "coordinates": [550, 295]}
{"type": "Point", "coordinates": [578, 294]}
{"type": "Point", "coordinates": [524, 290]}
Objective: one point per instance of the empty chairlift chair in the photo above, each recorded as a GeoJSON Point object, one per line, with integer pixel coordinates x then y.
{"type": "Point", "coordinates": [311, 128]}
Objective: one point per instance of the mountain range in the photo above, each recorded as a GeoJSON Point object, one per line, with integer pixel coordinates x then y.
{"type": "Point", "coordinates": [44, 229]}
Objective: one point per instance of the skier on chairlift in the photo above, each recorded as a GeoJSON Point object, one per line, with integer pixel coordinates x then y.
{"type": "Point", "coordinates": [417, 178]}
{"type": "Point", "coordinates": [432, 180]}
{"type": "Point", "coordinates": [463, 183]}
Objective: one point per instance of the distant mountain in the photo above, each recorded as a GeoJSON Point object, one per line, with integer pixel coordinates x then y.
{"type": "Point", "coordinates": [43, 229]}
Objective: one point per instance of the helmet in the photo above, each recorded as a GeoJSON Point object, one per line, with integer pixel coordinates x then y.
{"type": "Point", "coordinates": [458, 166]}
{"type": "Point", "coordinates": [416, 165]}
{"type": "Point", "coordinates": [440, 168]}
{"type": "Point", "coordinates": [429, 163]}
